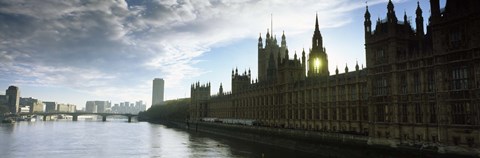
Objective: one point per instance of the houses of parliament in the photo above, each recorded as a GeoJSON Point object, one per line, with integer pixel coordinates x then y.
{"type": "Point", "coordinates": [419, 85]}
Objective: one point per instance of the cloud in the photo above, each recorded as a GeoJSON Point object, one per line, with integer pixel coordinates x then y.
{"type": "Point", "coordinates": [103, 47]}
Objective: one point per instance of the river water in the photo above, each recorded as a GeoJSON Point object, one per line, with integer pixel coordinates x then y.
{"type": "Point", "coordinates": [113, 139]}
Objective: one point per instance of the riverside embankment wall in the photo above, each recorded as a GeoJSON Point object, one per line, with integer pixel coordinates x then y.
{"type": "Point", "coordinates": [321, 143]}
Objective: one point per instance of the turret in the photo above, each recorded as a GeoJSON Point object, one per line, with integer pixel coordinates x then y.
{"type": "Point", "coordinates": [346, 68]}
{"type": "Point", "coordinates": [336, 70]}
{"type": "Point", "coordinates": [367, 23]}
{"type": "Point", "coordinates": [303, 58]}
{"type": "Point", "coordinates": [419, 21]}
{"type": "Point", "coordinates": [356, 67]}
{"type": "Point", "coordinates": [268, 35]}
{"type": "Point", "coordinates": [392, 18]}
{"type": "Point", "coordinates": [220, 90]}
{"type": "Point", "coordinates": [260, 42]}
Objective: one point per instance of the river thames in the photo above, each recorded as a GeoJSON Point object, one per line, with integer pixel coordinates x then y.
{"type": "Point", "coordinates": [121, 139]}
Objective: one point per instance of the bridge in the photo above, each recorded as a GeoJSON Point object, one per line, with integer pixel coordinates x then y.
{"type": "Point", "coordinates": [76, 114]}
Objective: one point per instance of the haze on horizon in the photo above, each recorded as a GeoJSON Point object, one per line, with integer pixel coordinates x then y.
{"type": "Point", "coordinates": [74, 51]}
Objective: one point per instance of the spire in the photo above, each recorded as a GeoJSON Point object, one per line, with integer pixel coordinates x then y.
{"type": "Point", "coordinates": [295, 56]}
{"type": "Point", "coordinates": [405, 17]}
{"type": "Point", "coordinates": [336, 70]}
{"type": "Point", "coordinates": [419, 21]}
{"type": "Point", "coordinates": [220, 90]}
{"type": "Point", "coordinates": [260, 43]}
{"type": "Point", "coordinates": [367, 14]}
{"type": "Point", "coordinates": [390, 5]}
{"type": "Point", "coordinates": [419, 10]}
{"type": "Point", "coordinates": [268, 35]}
{"type": "Point", "coordinates": [356, 66]}
{"type": "Point", "coordinates": [392, 18]}
{"type": "Point", "coordinates": [346, 67]}
{"type": "Point", "coordinates": [271, 23]}
{"type": "Point", "coordinates": [317, 44]}
{"type": "Point", "coordinates": [367, 23]}
{"type": "Point", "coordinates": [303, 58]}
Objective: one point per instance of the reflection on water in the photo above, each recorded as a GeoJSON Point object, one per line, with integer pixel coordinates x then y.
{"type": "Point", "coordinates": [121, 139]}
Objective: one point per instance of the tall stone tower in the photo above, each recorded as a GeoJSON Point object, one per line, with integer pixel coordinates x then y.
{"type": "Point", "coordinates": [13, 98]}
{"type": "Point", "coordinates": [317, 59]}
{"type": "Point", "coordinates": [199, 96]}
{"type": "Point", "coordinates": [269, 54]}
{"type": "Point", "coordinates": [240, 81]}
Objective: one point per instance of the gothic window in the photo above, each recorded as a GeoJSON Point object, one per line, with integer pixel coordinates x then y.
{"type": "Point", "coordinates": [334, 113]}
{"type": "Point", "coordinates": [433, 113]}
{"type": "Point", "coordinates": [403, 84]}
{"type": "Point", "coordinates": [343, 113]}
{"type": "Point", "coordinates": [404, 113]}
{"type": "Point", "coordinates": [380, 113]}
{"type": "Point", "coordinates": [353, 112]}
{"type": "Point", "coordinates": [418, 113]}
{"type": "Point", "coordinates": [333, 95]}
{"type": "Point", "coordinates": [364, 92]}
{"type": "Point", "coordinates": [430, 81]}
{"type": "Point", "coordinates": [455, 38]}
{"type": "Point", "coordinates": [341, 93]}
{"type": "Point", "coordinates": [460, 78]}
{"type": "Point", "coordinates": [380, 53]}
{"type": "Point", "coordinates": [461, 113]}
{"type": "Point", "coordinates": [353, 92]}
{"type": "Point", "coordinates": [416, 83]}
{"type": "Point", "coordinates": [365, 113]}
{"type": "Point", "coordinates": [380, 87]}
{"type": "Point", "coordinates": [325, 114]}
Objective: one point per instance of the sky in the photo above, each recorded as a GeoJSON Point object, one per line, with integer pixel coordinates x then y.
{"type": "Point", "coordinates": [79, 50]}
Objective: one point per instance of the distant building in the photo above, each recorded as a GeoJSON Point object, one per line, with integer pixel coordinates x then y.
{"type": "Point", "coordinates": [34, 104]}
{"type": "Point", "coordinates": [13, 98]}
{"type": "Point", "coordinates": [158, 91]}
{"type": "Point", "coordinates": [50, 106]}
{"type": "Point", "coordinates": [66, 108]}
{"type": "Point", "coordinates": [139, 106]}
{"type": "Point", "coordinates": [90, 106]}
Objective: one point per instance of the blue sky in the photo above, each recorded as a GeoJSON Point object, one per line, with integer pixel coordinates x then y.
{"type": "Point", "coordinates": [74, 51]}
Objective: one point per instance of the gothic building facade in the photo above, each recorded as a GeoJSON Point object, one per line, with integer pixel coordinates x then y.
{"type": "Point", "coordinates": [420, 86]}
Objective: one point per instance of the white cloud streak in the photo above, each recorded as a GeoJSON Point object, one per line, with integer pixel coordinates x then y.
{"type": "Point", "coordinates": [94, 45]}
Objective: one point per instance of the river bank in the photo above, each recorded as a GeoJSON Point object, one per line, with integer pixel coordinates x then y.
{"type": "Point", "coordinates": [321, 143]}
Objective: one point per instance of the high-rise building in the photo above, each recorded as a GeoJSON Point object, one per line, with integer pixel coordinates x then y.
{"type": "Point", "coordinates": [13, 98]}
{"type": "Point", "coordinates": [157, 92]}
